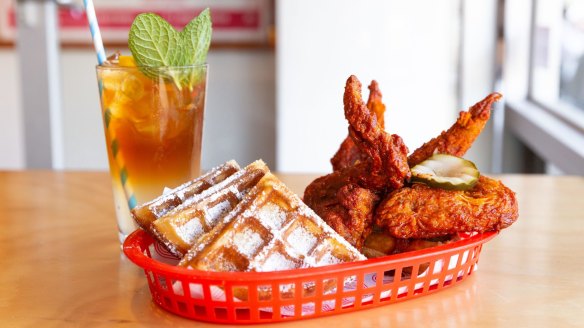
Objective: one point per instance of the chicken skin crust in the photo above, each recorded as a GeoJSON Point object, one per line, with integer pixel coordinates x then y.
{"type": "Point", "coordinates": [386, 153]}
{"type": "Point", "coordinates": [420, 211]}
{"type": "Point", "coordinates": [461, 135]}
{"type": "Point", "coordinates": [346, 207]}
{"type": "Point", "coordinates": [348, 153]}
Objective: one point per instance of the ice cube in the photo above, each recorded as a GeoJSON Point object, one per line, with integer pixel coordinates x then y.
{"type": "Point", "coordinates": [112, 79]}
{"type": "Point", "coordinates": [112, 60]}
{"type": "Point", "coordinates": [132, 87]}
{"type": "Point", "coordinates": [146, 126]}
{"type": "Point", "coordinates": [116, 109]}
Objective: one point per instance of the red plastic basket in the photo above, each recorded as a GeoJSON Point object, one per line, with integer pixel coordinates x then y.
{"type": "Point", "coordinates": [302, 293]}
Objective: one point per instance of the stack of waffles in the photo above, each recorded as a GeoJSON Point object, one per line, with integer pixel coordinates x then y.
{"type": "Point", "coordinates": [233, 219]}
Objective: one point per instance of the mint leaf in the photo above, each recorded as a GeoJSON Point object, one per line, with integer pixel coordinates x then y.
{"type": "Point", "coordinates": [154, 42]}
{"type": "Point", "coordinates": [196, 36]}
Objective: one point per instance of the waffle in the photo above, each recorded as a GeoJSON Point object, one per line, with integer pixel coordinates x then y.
{"type": "Point", "coordinates": [148, 212]}
{"type": "Point", "coordinates": [180, 227]}
{"type": "Point", "coordinates": [270, 230]}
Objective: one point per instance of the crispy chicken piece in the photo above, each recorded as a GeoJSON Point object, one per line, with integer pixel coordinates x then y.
{"type": "Point", "coordinates": [458, 139]}
{"type": "Point", "coordinates": [348, 153]}
{"type": "Point", "coordinates": [420, 211]}
{"type": "Point", "coordinates": [343, 205]}
{"type": "Point", "coordinates": [381, 243]}
{"type": "Point", "coordinates": [346, 199]}
{"type": "Point", "coordinates": [375, 105]}
{"type": "Point", "coordinates": [386, 153]}
{"type": "Point", "coordinates": [410, 245]}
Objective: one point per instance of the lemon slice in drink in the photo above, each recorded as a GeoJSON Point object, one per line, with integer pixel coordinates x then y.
{"type": "Point", "coordinates": [446, 172]}
{"type": "Point", "coordinates": [126, 61]}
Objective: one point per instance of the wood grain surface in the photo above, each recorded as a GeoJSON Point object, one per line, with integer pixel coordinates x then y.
{"type": "Point", "coordinates": [61, 263]}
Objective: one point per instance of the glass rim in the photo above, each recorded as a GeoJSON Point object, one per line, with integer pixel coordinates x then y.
{"type": "Point", "coordinates": [155, 68]}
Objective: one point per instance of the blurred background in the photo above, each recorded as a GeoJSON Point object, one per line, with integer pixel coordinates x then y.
{"type": "Point", "coordinates": [277, 75]}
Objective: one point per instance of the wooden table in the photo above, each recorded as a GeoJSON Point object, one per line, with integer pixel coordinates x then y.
{"type": "Point", "coordinates": [61, 264]}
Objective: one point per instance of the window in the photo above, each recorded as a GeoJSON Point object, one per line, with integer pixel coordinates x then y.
{"type": "Point", "coordinates": [558, 59]}
{"type": "Point", "coordinates": [549, 117]}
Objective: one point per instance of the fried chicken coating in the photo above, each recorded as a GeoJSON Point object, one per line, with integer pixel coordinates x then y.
{"type": "Point", "coordinates": [345, 207]}
{"type": "Point", "coordinates": [410, 245]}
{"type": "Point", "coordinates": [460, 136]}
{"type": "Point", "coordinates": [420, 211]}
{"type": "Point", "coordinates": [348, 153]}
{"type": "Point", "coordinates": [386, 153]}
{"type": "Point", "coordinates": [380, 243]}
{"type": "Point", "coordinates": [375, 103]}
{"type": "Point", "coordinates": [346, 198]}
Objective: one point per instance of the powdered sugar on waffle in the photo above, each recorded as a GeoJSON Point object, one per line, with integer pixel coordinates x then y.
{"type": "Point", "coordinates": [217, 211]}
{"type": "Point", "coordinates": [189, 231]}
{"type": "Point", "coordinates": [194, 186]}
{"type": "Point", "coordinates": [248, 242]}
{"type": "Point", "coordinates": [182, 226]}
{"type": "Point", "coordinates": [327, 258]}
{"type": "Point", "coordinates": [271, 216]}
{"type": "Point", "coordinates": [223, 204]}
{"type": "Point", "coordinates": [272, 229]}
{"type": "Point", "coordinates": [302, 240]}
{"type": "Point", "coordinates": [217, 191]}
{"type": "Point", "coordinates": [277, 261]}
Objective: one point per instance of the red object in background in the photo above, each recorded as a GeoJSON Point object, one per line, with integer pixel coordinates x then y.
{"type": "Point", "coordinates": [123, 18]}
{"type": "Point", "coordinates": [247, 21]}
{"type": "Point", "coordinates": [116, 18]}
{"type": "Point", "coordinates": [209, 296]}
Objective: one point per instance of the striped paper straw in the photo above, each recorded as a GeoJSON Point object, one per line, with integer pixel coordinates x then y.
{"type": "Point", "coordinates": [114, 147]}
{"type": "Point", "coordinates": [119, 161]}
{"type": "Point", "coordinates": [94, 28]}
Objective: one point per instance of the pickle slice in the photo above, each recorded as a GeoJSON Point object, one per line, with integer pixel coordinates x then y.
{"type": "Point", "coordinates": [446, 172]}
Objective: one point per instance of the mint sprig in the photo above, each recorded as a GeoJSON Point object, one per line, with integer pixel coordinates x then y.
{"type": "Point", "coordinates": [155, 43]}
{"type": "Point", "coordinates": [196, 36]}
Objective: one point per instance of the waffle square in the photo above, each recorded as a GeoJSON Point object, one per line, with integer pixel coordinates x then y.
{"type": "Point", "coordinates": [271, 229]}
{"type": "Point", "coordinates": [179, 228]}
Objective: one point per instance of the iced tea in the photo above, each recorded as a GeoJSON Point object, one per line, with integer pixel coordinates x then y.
{"type": "Point", "coordinates": [153, 128]}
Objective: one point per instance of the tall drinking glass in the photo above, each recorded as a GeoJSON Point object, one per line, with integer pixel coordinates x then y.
{"type": "Point", "coordinates": [153, 123]}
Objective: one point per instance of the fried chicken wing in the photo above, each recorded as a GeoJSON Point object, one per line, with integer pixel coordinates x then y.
{"type": "Point", "coordinates": [386, 153]}
{"type": "Point", "coordinates": [420, 211]}
{"type": "Point", "coordinates": [348, 153]}
{"type": "Point", "coordinates": [346, 198]}
{"type": "Point", "coordinates": [460, 136]}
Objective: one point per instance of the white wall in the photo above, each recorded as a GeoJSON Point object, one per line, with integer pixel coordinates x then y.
{"type": "Point", "coordinates": [241, 108]}
{"type": "Point", "coordinates": [478, 71]}
{"type": "Point", "coordinates": [11, 133]}
{"type": "Point", "coordinates": [238, 120]}
{"type": "Point", "coordinates": [409, 47]}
